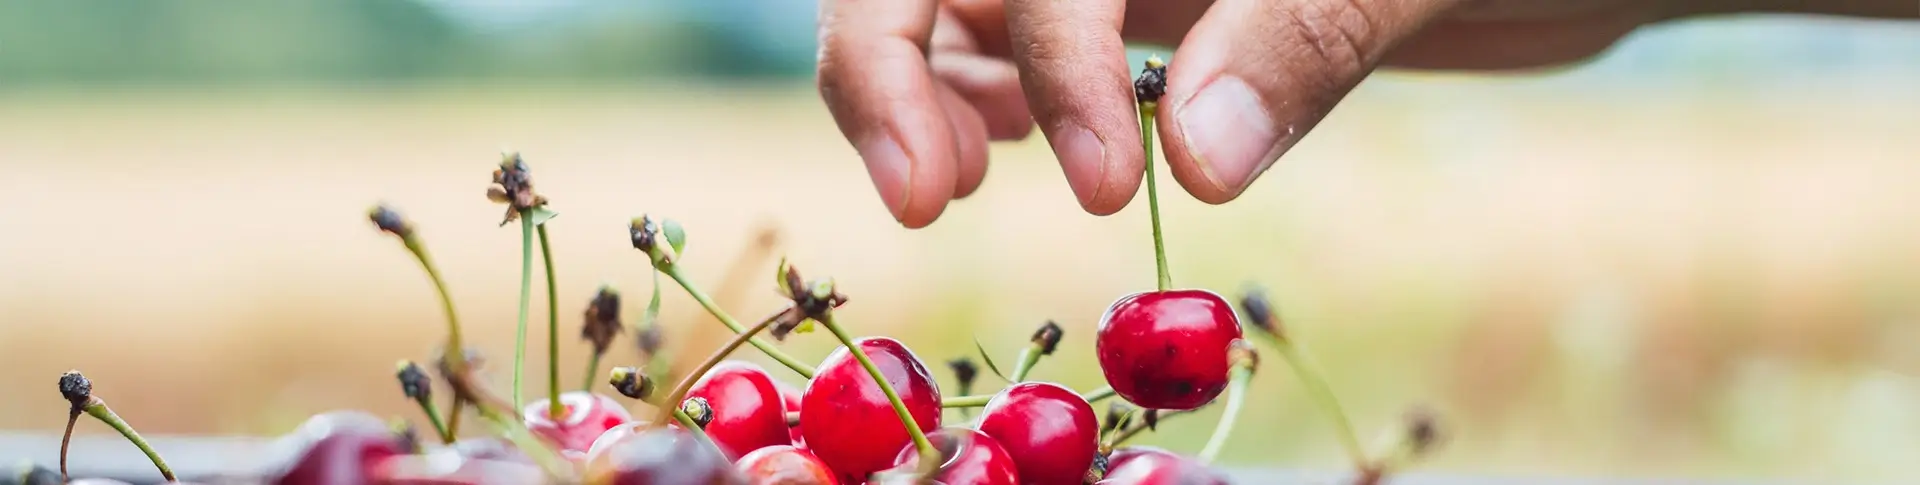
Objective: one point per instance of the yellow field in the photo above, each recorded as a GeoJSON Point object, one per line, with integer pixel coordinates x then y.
{"type": "Point", "coordinates": [1629, 282]}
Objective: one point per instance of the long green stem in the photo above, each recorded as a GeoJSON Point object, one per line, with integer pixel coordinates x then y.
{"type": "Point", "coordinates": [928, 455]}
{"type": "Point", "coordinates": [1236, 399]}
{"type": "Point", "coordinates": [593, 372]}
{"type": "Point", "coordinates": [453, 417]}
{"type": "Point", "coordinates": [555, 411]}
{"type": "Point", "coordinates": [1153, 196]}
{"type": "Point", "coordinates": [526, 299]}
{"type": "Point", "coordinates": [1322, 394]}
{"type": "Point", "coordinates": [673, 271]}
{"type": "Point", "coordinates": [419, 251]}
{"type": "Point", "coordinates": [1098, 395]}
{"type": "Point", "coordinates": [98, 409]}
{"type": "Point", "coordinates": [1028, 358]}
{"type": "Point", "coordinates": [686, 383]}
{"type": "Point", "coordinates": [433, 416]}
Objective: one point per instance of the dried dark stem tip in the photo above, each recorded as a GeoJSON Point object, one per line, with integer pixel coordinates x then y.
{"type": "Point", "coordinates": [1152, 83]}
{"type": "Point", "coordinates": [1152, 418]}
{"type": "Point", "coordinates": [1260, 314]}
{"type": "Point", "coordinates": [602, 320]}
{"type": "Point", "coordinates": [812, 298]}
{"type": "Point", "coordinates": [1417, 435]}
{"type": "Point", "coordinates": [630, 382]}
{"type": "Point", "coordinates": [78, 391]}
{"type": "Point", "coordinates": [1047, 338]}
{"type": "Point", "coordinates": [1098, 471]}
{"type": "Point", "coordinates": [513, 186]}
{"type": "Point", "coordinates": [964, 373]}
{"type": "Point", "coordinates": [698, 410]}
{"type": "Point", "coordinates": [1119, 416]}
{"type": "Point", "coordinates": [390, 221]}
{"type": "Point", "coordinates": [417, 386]}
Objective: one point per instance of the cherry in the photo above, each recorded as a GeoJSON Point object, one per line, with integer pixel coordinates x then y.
{"type": "Point", "coordinates": [847, 420]}
{"type": "Point", "coordinates": [1146, 465]}
{"type": "Point", "coordinates": [665, 456]}
{"type": "Point", "coordinates": [747, 410]}
{"type": "Point", "coordinates": [586, 417]}
{"type": "Point", "coordinates": [1167, 349]}
{"type": "Point", "coordinates": [785, 465]}
{"type": "Point", "coordinates": [790, 399]}
{"type": "Point", "coordinates": [491, 449]}
{"type": "Point", "coordinates": [454, 466]}
{"type": "Point", "coordinates": [335, 447]}
{"type": "Point", "coordinates": [1050, 430]}
{"type": "Point", "coordinates": [972, 458]}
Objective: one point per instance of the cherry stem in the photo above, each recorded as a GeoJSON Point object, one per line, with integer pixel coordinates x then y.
{"type": "Point", "coordinates": [99, 410]}
{"type": "Point", "coordinates": [433, 416]}
{"type": "Point", "coordinates": [65, 440]}
{"type": "Point", "coordinates": [593, 372]}
{"type": "Point", "coordinates": [981, 400]}
{"type": "Point", "coordinates": [523, 439]}
{"type": "Point", "coordinates": [693, 428]}
{"type": "Point", "coordinates": [673, 271]}
{"type": "Point", "coordinates": [1153, 196]}
{"type": "Point", "coordinates": [454, 340]}
{"type": "Point", "coordinates": [1322, 394]}
{"type": "Point", "coordinates": [526, 298]}
{"type": "Point", "coordinates": [1236, 399]}
{"type": "Point", "coordinates": [928, 454]}
{"type": "Point", "coordinates": [1028, 358]}
{"type": "Point", "coordinates": [686, 383]}
{"type": "Point", "coordinates": [1121, 436]}
{"type": "Point", "coordinates": [554, 410]}
{"type": "Point", "coordinates": [453, 418]}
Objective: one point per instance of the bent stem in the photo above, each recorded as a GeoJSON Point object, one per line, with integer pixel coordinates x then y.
{"type": "Point", "coordinates": [1236, 398]}
{"type": "Point", "coordinates": [1153, 195]}
{"type": "Point", "coordinates": [686, 383]}
{"type": "Point", "coordinates": [526, 298]}
{"type": "Point", "coordinates": [1316, 383]}
{"type": "Point", "coordinates": [555, 411]}
{"type": "Point", "coordinates": [928, 455]}
{"type": "Point", "coordinates": [99, 410]}
{"type": "Point", "coordinates": [65, 440]}
{"type": "Point", "coordinates": [673, 271]}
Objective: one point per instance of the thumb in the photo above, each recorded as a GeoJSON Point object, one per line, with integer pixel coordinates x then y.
{"type": "Point", "coordinates": [1254, 75]}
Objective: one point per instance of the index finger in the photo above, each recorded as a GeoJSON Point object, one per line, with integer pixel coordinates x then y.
{"type": "Point", "coordinates": [874, 78]}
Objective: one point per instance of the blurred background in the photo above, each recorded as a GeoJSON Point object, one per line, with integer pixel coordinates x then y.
{"type": "Point", "coordinates": [1693, 257]}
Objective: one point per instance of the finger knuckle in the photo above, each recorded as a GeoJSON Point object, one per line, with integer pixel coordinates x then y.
{"type": "Point", "coordinates": [1334, 38]}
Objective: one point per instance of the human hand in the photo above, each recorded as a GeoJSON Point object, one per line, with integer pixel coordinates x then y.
{"type": "Point", "coordinates": [920, 86]}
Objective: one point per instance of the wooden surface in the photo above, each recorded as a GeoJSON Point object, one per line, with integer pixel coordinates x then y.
{"type": "Point", "coordinates": [109, 456]}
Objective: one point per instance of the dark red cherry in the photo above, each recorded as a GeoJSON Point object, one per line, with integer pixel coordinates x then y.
{"type": "Point", "coordinates": [1146, 465]}
{"type": "Point", "coordinates": [586, 417]}
{"type": "Point", "coordinates": [665, 456]}
{"type": "Point", "coordinates": [747, 410]}
{"type": "Point", "coordinates": [790, 397]}
{"type": "Point", "coordinates": [972, 458]}
{"type": "Point", "coordinates": [785, 465]}
{"type": "Point", "coordinates": [846, 418]}
{"type": "Point", "coordinates": [452, 466]}
{"type": "Point", "coordinates": [334, 448]}
{"type": "Point", "coordinates": [1050, 430]}
{"type": "Point", "coordinates": [491, 449]}
{"type": "Point", "coordinates": [1167, 349]}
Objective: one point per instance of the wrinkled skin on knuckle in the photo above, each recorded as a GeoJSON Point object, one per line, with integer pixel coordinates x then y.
{"type": "Point", "coordinates": [1328, 42]}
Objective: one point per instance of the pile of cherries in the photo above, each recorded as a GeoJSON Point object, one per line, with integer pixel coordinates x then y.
{"type": "Point", "coordinates": [870, 413]}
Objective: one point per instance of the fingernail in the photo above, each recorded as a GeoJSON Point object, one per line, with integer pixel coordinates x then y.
{"type": "Point", "coordinates": [1229, 128]}
{"type": "Point", "coordinates": [889, 167]}
{"type": "Point", "coordinates": [1082, 157]}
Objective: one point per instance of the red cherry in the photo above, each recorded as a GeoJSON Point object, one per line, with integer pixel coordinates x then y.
{"type": "Point", "coordinates": [785, 465]}
{"type": "Point", "coordinates": [452, 466]}
{"type": "Point", "coordinates": [1049, 429]}
{"type": "Point", "coordinates": [973, 458]}
{"type": "Point", "coordinates": [1167, 349]}
{"type": "Point", "coordinates": [790, 398]}
{"type": "Point", "coordinates": [586, 416]}
{"type": "Point", "coordinates": [846, 418]}
{"type": "Point", "coordinates": [660, 457]}
{"type": "Point", "coordinates": [335, 447]}
{"type": "Point", "coordinates": [747, 412]}
{"type": "Point", "coordinates": [1146, 465]}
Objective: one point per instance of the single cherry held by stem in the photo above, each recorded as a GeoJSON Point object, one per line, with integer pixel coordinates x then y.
{"type": "Point", "coordinates": [586, 416]}
{"type": "Point", "coordinates": [785, 465]}
{"type": "Point", "coordinates": [972, 458]}
{"type": "Point", "coordinates": [748, 412]}
{"type": "Point", "coordinates": [1050, 430]}
{"type": "Point", "coordinates": [847, 420]}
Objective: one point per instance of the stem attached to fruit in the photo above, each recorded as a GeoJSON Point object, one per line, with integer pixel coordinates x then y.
{"type": "Point", "coordinates": [1098, 395]}
{"type": "Point", "coordinates": [686, 383]}
{"type": "Point", "coordinates": [1236, 399]}
{"type": "Point", "coordinates": [1147, 109]}
{"type": "Point", "coordinates": [673, 271]}
{"type": "Point", "coordinates": [99, 410]}
{"type": "Point", "coordinates": [928, 455]}
{"type": "Point", "coordinates": [522, 438]}
{"type": "Point", "coordinates": [555, 411]}
{"type": "Point", "coordinates": [433, 416]}
{"type": "Point", "coordinates": [389, 221]}
{"type": "Point", "coordinates": [965, 401]}
{"type": "Point", "coordinates": [526, 299]}
{"type": "Point", "coordinates": [1120, 436]}
{"type": "Point", "coordinates": [693, 428]}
